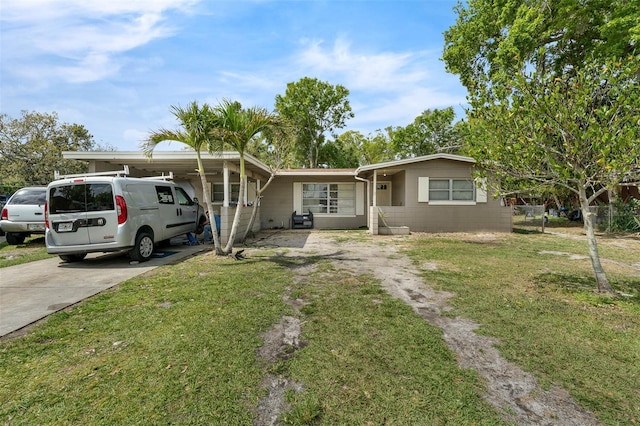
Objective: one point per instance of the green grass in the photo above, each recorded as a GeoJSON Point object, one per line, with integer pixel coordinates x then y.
{"type": "Point", "coordinates": [179, 345]}
{"type": "Point", "coordinates": [372, 360]}
{"type": "Point", "coordinates": [32, 249]}
{"type": "Point", "coordinates": [175, 346]}
{"type": "Point", "coordinates": [546, 313]}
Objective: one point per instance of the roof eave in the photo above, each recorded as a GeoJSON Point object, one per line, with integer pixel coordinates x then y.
{"type": "Point", "coordinates": [396, 163]}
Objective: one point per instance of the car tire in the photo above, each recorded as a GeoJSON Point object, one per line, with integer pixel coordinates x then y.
{"type": "Point", "coordinates": [70, 258]}
{"type": "Point", "coordinates": [15, 239]}
{"type": "Point", "coordinates": [143, 248]}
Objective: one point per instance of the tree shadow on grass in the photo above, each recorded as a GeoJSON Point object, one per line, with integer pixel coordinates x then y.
{"type": "Point", "coordinates": [574, 284]}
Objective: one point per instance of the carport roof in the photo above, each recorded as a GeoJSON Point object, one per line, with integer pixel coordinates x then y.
{"type": "Point", "coordinates": [181, 163]}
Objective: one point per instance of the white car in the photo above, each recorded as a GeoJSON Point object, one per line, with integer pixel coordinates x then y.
{"type": "Point", "coordinates": [23, 214]}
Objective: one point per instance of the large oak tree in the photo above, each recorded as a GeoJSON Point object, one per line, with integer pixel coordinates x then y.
{"type": "Point", "coordinates": [31, 148]}
{"type": "Point", "coordinates": [554, 94]}
{"type": "Point", "coordinates": [313, 108]}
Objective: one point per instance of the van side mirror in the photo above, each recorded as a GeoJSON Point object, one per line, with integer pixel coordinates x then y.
{"type": "Point", "coordinates": [195, 200]}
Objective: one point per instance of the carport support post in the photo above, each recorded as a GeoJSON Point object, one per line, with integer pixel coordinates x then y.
{"type": "Point", "coordinates": [225, 180]}
{"type": "Point", "coordinates": [375, 188]}
{"type": "Point", "coordinates": [373, 212]}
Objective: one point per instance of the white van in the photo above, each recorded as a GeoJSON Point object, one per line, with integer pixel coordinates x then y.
{"type": "Point", "coordinates": [108, 211]}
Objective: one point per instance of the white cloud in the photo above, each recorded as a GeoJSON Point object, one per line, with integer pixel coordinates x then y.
{"type": "Point", "coordinates": [134, 136]}
{"type": "Point", "coordinates": [386, 88]}
{"type": "Point", "coordinates": [88, 36]}
{"type": "Point", "coordinates": [378, 71]}
{"type": "Point", "coordinates": [403, 108]}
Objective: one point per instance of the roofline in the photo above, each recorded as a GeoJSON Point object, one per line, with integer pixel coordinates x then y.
{"type": "Point", "coordinates": [395, 163]}
{"type": "Point", "coordinates": [316, 172]}
{"type": "Point", "coordinates": [162, 155]}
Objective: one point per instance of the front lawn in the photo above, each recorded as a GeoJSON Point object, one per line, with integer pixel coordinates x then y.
{"type": "Point", "coordinates": [536, 294]}
{"type": "Point", "coordinates": [182, 344]}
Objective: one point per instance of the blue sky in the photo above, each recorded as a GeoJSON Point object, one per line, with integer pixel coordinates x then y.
{"type": "Point", "coordinates": [116, 66]}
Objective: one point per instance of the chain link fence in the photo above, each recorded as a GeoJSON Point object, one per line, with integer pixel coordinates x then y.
{"type": "Point", "coordinates": [620, 217]}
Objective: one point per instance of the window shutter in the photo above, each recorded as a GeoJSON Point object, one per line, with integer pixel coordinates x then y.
{"type": "Point", "coordinates": [481, 190]}
{"type": "Point", "coordinates": [297, 197]}
{"type": "Point", "coordinates": [423, 189]}
{"type": "Point", "coordinates": [360, 198]}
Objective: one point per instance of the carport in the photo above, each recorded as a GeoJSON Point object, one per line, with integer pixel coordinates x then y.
{"type": "Point", "coordinates": [222, 171]}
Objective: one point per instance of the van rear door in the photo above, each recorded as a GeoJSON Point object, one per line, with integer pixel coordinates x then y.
{"type": "Point", "coordinates": [82, 213]}
{"type": "Point", "coordinates": [101, 216]}
{"type": "Point", "coordinates": [67, 212]}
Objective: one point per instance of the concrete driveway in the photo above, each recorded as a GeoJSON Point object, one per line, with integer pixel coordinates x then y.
{"type": "Point", "coordinates": [31, 291]}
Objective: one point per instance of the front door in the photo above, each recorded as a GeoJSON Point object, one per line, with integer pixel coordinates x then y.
{"type": "Point", "coordinates": [383, 194]}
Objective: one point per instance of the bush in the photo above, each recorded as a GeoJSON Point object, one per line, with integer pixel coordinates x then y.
{"type": "Point", "coordinates": [626, 217]}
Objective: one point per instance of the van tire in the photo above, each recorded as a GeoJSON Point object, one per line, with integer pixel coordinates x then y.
{"type": "Point", "coordinates": [15, 239]}
{"type": "Point", "coordinates": [70, 258]}
{"type": "Point", "coordinates": [143, 248]}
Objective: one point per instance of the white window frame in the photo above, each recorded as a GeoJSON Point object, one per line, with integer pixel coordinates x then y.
{"type": "Point", "coordinates": [234, 190]}
{"type": "Point", "coordinates": [357, 194]}
{"type": "Point", "coordinates": [424, 188]}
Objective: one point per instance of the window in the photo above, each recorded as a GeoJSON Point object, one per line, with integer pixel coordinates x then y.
{"type": "Point", "coordinates": [26, 196]}
{"type": "Point", "coordinates": [450, 190]}
{"type": "Point", "coordinates": [165, 196]}
{"type": "Point", "coordinates": [329, 198]}
{"type": "Point", "coordinates": [93, 197]}
{"type": "Point", "coordinates": [218, 192]}
{"type": "Point", "coordinates": [183, 197]}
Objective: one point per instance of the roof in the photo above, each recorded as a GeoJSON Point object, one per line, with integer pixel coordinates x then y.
{"type": "Point", "coordinates": [178, 162]}
{"type": "Point", "coordinates": [184, 163]}
{"type": "Point", "coordinates": [396, 163]}
{"type": "Point", "coordinates": [316, 172]}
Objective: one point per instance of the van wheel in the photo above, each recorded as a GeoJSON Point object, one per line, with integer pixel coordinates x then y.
{"type": "Point", "coordinates": [143, 248]}
{"type": "Point", "coordinates": [70, 258]}
{"type": "Point", "coordinates": [15, 239]}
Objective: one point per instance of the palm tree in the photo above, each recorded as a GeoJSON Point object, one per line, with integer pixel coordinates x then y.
{"type": "Point", "coordinates": [236, 128]}
{"type": "Point", "coordinates": [197, 124]}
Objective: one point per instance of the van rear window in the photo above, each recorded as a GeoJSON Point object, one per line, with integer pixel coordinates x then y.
{"type": "Point", "coordinates": [92, 197]}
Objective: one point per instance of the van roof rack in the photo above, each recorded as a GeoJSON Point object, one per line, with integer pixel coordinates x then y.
{"type": "Point", "coordinates": [161, 177]}
{"type": "Point", "coordinates": [116, 173]}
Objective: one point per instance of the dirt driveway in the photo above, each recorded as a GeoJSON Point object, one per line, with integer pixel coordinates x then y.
{"type": "Point", "coordinates": [511, 390]}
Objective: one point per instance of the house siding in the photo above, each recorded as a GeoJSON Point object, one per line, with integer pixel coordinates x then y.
{"type": "Point", "coordinates": [425, 217]}
{"type": "Point", "coordinates": [277, 205]}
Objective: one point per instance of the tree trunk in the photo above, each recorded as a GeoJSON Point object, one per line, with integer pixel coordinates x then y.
{"type": "Point", "coordinates": [612, 197]}
{"type": "Point", "coordinates": [254, 211]}
{"type": "Point", "coordinates": [209, 204]}
{"type": "Point", "coordinates": [588, 218]}
{"type": "Point", "coordinates": [556, 200]}
{"type": "Point", "coordinates": [236, 218]}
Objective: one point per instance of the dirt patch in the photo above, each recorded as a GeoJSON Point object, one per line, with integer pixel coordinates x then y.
{"type": "Point", "coordinates": [514, 392]}
{"type": "Point", "coordinates": [281, 341]}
